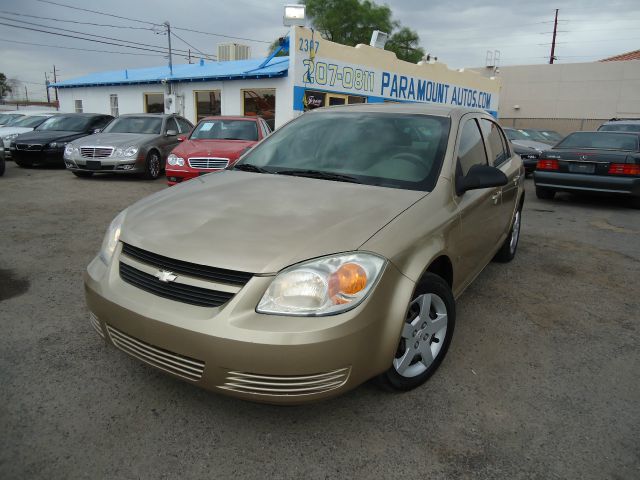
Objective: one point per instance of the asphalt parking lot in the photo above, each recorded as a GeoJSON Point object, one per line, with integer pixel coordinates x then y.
{"type": "Point", "coordinates": [542, 379]}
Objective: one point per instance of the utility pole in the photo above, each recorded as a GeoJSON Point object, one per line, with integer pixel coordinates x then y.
{"type": "Point", "coordinates": [46, 82]}
{"type": "Point", "coordinates": [168, 25]}
{"type": "Point", "coordinates": [189, 56]}
{"type": "Point", "coordinates": [55, 80]}
{"type": "Point", "coordinates": [552, 57]}
{"type": "Point", "coordinates": [26, 94]}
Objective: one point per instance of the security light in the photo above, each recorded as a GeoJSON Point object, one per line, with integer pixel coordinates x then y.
{"type": "Point", "coordinates": [294, 15]}
{"type": "Point", "coordinates": [378, 39]}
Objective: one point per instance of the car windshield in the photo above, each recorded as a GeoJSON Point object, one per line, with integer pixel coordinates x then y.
{"type": "Point", "coordinates": [535, 135]}
{"type": "Point", "coordinates": [383, 149]}
{"type": "Point", "coordinates": [225, 130]}
{"type": "Point", "coordinates": [67, 123]}
{"type": "Point", "coordinates": [620, 127]}
{"type": "Point", "coordinates": [601, 140]}
{"type": "Point", "coordinates": [516, 134]}
{"type": "Point", "coordinates": [8, 119]}
{"type": "Point", "coordinates": [552, 135]}
{"type": "Point", "coordinates": [151, 125]}
{"type": "Point", "coordinates": [30, 122]}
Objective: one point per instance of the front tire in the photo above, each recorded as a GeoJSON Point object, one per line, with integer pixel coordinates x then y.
{"type": "Point", "coordinates": [152, 166]}
{"type": "Point", "coordinates": [545, 193]}
{"type": "Point", "coordinates": [425, 337]}
{"type": "Point", "coordinates": [2, 166]}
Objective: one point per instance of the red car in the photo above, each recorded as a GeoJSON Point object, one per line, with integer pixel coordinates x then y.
{"type": "Point", "coordinates": [214, 144]}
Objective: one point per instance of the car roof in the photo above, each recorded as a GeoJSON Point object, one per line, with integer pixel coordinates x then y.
{"type": "Point", "coordinates": [409, 108]}
{"type": "Point", "coordinates": [230, 117]}
{"type": "Point", "coordinates": [154, 115]}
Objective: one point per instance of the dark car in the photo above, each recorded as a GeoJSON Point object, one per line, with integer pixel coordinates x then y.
{"type": "Point", "coordinates": [621, 125]}
{"type": "Point", "coordinates": [45, 145]}
{"type": "Point", "coordinates": [600, 162]}
{"type": "Point", "coordinates": [527, 147]}
{"type": "Point", "coordinates": [550, 137]}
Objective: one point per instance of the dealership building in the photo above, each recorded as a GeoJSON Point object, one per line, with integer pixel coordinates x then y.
{"type": "Point", "coordinates": [315, 73]}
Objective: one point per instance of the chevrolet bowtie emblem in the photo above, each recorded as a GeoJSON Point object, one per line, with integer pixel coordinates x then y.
{"type": "Point", "coordinates": [165, 276]}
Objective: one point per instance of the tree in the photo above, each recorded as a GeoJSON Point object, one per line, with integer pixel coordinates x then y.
{"type": "Point", "coordinates": [406, 45]}
{"type": "Point", "coordinates": [351, 22]}
{"type": "Point", "coordinates": [4, 86]}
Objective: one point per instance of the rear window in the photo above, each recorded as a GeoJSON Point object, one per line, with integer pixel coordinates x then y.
{"type": "Point", "coordinates": [382, 149]}
{"type": "Point", "coordinates": [617, 127]}
{"type": "Point", "coordinates": [226, 130]}
{"type": "Point", "coordinates": [600, 140]}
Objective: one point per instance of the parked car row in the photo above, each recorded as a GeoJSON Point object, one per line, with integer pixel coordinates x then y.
{"type": "Point", "coordinates": [143, 144]}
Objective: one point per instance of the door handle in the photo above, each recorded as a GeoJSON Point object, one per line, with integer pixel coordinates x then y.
{"type": "Point", "coordinates": [516, 179]}
{"type": "Point", "coordinates": [496, 196]}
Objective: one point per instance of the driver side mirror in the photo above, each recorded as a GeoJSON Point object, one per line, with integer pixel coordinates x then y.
{"type": "Point", "coordinates": [480, 176]}
{"type": "Point", "coordinates": [171, 133]}
{"type": "Point", "coordinates": [182, 138]}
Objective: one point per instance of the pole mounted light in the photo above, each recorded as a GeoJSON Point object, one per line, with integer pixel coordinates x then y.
{"type": "Point", "coordinates": [294, 15]}
{"type": "Point", "coordinates": [379, 39]}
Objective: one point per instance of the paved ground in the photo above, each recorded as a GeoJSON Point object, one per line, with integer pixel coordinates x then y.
{"type": "Point", "coordinates": [541, 380]}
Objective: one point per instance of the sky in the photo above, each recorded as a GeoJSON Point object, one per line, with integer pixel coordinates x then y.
{"type": "Point", "coordinates": [458, 32]}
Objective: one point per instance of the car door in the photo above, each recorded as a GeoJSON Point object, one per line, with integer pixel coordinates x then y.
{"type": "Point", "coordinates": [479, 210]}
{"type": "Point", "coordinates": [169, 137]}
{"type": "Point", "coordinates": [501, 158]}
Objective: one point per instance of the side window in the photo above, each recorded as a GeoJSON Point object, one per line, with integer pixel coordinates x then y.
{"type": "Point", "coordinates": [171, 125]}
{"type": "Point", "coordinates": [471, 148]}
{"type": "Point", "coordinates": [100, 122]}
{"type": "Point", "coordinates": [498, 154]}
{"type": "Point", "coordinates": [185, 127]}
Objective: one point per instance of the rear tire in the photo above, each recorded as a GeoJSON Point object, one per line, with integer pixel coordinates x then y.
{"type": "Point", "coordinates": [508, 249]}
{"type": "Point", "coordinates": [152, 166]}
{"type": "Point", "coordinates": [544, 193]}
{"type": "Point", "coordinates": [2, 166]}
{"type": "Point", "coordinates": [83, 174]}
{"type": "Point", "coordinates": [425, 337]}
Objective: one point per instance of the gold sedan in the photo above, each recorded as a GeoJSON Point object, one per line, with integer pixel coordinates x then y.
{"type": "Point", "coordinates": [329, 254]}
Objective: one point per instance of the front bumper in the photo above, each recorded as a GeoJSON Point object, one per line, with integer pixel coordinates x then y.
{"type": "Point", "coordinates": [233, 350]}
{"type": "Point", "coordinates": [38, 157]}
{"type": "Point", "coordinates": [106, 165]}
{"type": "Point", "coordinates": [588, 183]}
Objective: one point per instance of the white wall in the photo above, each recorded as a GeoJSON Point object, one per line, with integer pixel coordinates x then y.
{"type": "Point", "coordinates": [131, 97]}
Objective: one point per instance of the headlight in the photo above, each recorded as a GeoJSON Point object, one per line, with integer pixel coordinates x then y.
{"type": "Point", "coordinates": [69, 150]}
{"type": "Point", "coordinates": [324, 286]}
{"type": "Point", "coordinates": [111, 238]}
{"type": "Point", "coordinates": [57, 144]}
{"type": "Point", "coordinates": [131, 151]}
{"type": "Point", "coordinates": [8, 138]}
{"type": "Point", "coordinates": [175, 160]}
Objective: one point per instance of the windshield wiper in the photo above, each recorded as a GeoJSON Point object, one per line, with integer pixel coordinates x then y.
{"type": "Point", "coordinates": [248, 167]}
{"type": "Point", "coordinates": [320, 174]}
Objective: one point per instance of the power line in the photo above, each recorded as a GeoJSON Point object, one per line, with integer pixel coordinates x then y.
{"type": "Point", "coordinates": [91, 35]}
{"type": "Point", "coordinates": [184, 41]}
{"type": "Point", "coordinates": [75, 21]}
{"type": "Point", "coordinates": [100, 13]}
{"type": "Point", "coordinates": [155, 24]}
{"type": "Point", "coordinates": [81, 49]}
{"type": "Point", "coordinates": [80, 38]}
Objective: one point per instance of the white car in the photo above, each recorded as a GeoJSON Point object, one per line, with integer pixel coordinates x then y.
{"type": "Point", "coordinates": [24, 124]}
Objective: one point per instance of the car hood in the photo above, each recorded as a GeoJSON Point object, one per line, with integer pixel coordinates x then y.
{"type": "Point", "coordinates": [531, 144]}
{"type": "Point", "coordinates": [46, 136]}
{"type": "Point", "coordinates": [115, 139]}
{"type": "Point", "coordinates": [213, 148]}
{"type": "Point", "coordinates": [4, 131]}
{"type": "Point", "coordinates": [260, 223]}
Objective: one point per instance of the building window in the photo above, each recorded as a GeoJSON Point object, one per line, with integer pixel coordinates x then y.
{"type": "Point", "coordinates": [78, 105]}
{"type": "Point", "coordinates": [154, 102]}
{"type": "Point", "coordinates": [261, 102]}
{"type": "Point", "coordinates": [113, 101]}
{"type": "Point", "coordinates": [207, 103]}
{"type": "Point", "coordinates": [314, 99]}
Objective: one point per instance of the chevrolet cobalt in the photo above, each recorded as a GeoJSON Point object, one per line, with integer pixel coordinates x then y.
{"type": "Point", "coordinates": [329, 254]}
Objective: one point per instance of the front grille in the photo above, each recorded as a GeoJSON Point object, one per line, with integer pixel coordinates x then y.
{"type": "Point", "coordinates": [210, 163]}
{"type": "Point", "coordinates": [95, 323]}
{"type": "Point", "coordinates": [29, 146]}
{"type": "Point", "coordinates": [180, 365]}
{"type": "Point", "coordinates": [187, 268]}
{"type": "Point", "coordinates": [95, 152]}
{"type": "Point", "coordinates": [202, 297]}
{"type": "Point", "coordinates": [279, 385]}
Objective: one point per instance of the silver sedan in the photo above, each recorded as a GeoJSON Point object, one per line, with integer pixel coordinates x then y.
{"type": "Point", "coordinates": [134, 143]}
